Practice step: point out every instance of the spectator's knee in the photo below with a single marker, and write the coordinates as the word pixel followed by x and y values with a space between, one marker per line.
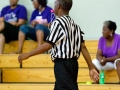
pixel 118 63
pixel 96 64
pixel 2 22
pixel 24 29
pixel 2 36
pixel 39 27
pixel 2 25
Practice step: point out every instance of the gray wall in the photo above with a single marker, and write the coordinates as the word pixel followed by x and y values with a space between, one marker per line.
pixel 89 14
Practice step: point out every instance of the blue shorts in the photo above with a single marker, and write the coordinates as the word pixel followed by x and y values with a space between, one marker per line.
pixel 30 32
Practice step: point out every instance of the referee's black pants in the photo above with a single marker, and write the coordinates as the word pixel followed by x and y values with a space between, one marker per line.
pixel 66 71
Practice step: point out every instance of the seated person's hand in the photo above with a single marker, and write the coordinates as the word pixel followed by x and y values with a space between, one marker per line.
pixel 33 23
pixel 49 25
pixel 103 62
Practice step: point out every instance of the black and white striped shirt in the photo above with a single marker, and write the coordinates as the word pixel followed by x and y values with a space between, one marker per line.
pixel 66 38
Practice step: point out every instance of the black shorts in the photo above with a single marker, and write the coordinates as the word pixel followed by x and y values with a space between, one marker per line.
pixel 66 72
pixel 10 32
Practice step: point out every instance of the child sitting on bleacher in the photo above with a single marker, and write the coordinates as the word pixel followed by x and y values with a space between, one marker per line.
pixel 38 28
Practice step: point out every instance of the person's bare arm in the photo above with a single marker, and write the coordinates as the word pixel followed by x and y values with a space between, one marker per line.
pixel 99 55
pixel 112 59
pixel 93 73
pixel 19 23
pixel 86 55
pixel 1 19
pixel 44 47
pixel 103 59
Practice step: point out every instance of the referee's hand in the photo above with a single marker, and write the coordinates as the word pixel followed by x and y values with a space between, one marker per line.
pixel 94 75
pixel 22 57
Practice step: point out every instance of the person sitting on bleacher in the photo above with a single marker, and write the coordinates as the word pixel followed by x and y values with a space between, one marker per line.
pixel 11 18
pixel 38 28
pixel 108 54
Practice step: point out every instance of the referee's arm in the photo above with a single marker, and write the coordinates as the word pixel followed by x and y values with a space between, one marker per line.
pixel 93 73
pixel 86 55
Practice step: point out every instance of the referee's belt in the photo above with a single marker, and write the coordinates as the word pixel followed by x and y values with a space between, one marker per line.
pixel 59 59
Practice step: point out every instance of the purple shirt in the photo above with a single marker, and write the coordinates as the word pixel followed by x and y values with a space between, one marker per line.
pixel 113 49
pixel 12 15
pixel 46 14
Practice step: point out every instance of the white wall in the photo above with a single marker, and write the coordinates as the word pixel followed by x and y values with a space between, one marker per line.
pixel 89 14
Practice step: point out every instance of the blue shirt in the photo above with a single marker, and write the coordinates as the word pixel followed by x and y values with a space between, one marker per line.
pixel 46 14
pixel 12 15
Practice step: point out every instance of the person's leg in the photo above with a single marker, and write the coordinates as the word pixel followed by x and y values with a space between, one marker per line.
pixel 2 43
pixel 108 66
pixel 66 72
pixel 2 37
pixel 21 38
pixel 2 25
pixel 9 33
pixel 40 37
pixel 97 66
pixel 24 30
pixel 41 33
pixel 117 67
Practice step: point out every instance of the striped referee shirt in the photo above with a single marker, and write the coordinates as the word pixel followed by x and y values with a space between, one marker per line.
pixel 66 37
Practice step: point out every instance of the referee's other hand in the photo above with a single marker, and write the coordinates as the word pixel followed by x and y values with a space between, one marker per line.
pixel 94 75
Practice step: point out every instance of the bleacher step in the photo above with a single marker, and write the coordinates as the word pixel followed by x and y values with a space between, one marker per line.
pixel 42 60
pixel 47 75
pixel 51 86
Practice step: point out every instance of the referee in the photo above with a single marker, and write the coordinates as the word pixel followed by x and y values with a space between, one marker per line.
pixel 67 42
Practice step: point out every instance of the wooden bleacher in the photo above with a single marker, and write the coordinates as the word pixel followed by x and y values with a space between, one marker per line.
pixel 51 86
pixel 38 70
pixel 30 45
pixel 13 46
